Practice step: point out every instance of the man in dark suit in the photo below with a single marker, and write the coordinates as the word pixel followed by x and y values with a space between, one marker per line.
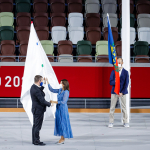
pixel 124 81
pixel 38 108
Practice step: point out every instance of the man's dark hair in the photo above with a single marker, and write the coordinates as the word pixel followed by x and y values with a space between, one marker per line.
pixel 37 78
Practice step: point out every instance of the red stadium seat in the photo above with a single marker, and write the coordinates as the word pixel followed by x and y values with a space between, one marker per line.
pixel 42 32
pixel 8 49
pixel 142 59
pixel 93 34
pixel 75 6
pixel 65 47
pixel 85 58
pixel 92 20
pixel 23 19
pixel 58 19
pixel 102 58
pixel 23 50
pixel 114 32
pixel 40 19
pixel 118 46
pixel 143 7
pixel 40 6
pixel 23 33
pixel 57 6
pixel 6 5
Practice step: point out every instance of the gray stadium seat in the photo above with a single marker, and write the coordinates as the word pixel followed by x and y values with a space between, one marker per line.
pixel 58 34
pixel 75 19
pixel 65 58
pixel 144 34
pixel 92 6
pixel 103 1
pixel 109 6
pixel 76 34
pixel 113 20
pixel 143 20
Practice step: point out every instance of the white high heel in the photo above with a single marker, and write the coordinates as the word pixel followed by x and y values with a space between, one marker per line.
pixel 60 143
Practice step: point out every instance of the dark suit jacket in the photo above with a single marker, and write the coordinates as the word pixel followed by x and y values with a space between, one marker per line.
pixel 124 81
pixel 38 102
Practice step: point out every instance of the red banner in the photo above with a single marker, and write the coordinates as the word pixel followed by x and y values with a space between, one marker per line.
pixel 85 82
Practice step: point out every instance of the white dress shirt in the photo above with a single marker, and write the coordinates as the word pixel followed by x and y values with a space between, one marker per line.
pixel 120 71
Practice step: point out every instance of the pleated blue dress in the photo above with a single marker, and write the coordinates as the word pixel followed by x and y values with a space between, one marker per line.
pixel 62 121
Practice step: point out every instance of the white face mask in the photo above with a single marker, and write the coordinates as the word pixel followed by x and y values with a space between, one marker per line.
pixel 119 65
pixel 60 86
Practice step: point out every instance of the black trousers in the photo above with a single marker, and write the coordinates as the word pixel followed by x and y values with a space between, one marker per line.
pixel 37 124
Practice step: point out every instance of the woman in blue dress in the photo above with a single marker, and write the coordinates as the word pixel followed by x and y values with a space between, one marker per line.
pixel 62 121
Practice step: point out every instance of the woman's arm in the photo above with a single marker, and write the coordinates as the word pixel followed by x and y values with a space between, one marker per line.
pixel 53 90
pixel 65 99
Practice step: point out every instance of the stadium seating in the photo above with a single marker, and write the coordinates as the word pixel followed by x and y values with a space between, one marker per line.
pixel 109 6
pixel 113 20
pixel 143 20
pixel 6 5
pixel 144 34
pixel 85 58
pixel 132 35
pixel 58 19
pixel 57 6
pixel 65 58
pixel 75 34
pixel 102 51
pixel 65 47
pixel 141 50
pixel 114 33
pixel 42 32
pixel 41 19
pixel 48 48
pixel 143 7
pixel 118 47
pixel 23 50
pixel 40 6
pixel 6 19
pixel 58 34
pixel 23 19
pixel 23 33
pixel 142 59
pixel 132 20
pixel 75 6
pixel 92 20
pixel 7 49
pixel 75 19
pixel 6 33
pixel 92 6
pixel 93 34
pixel 83 20
pixel 84 48
pixel 131 7
pixel 23 6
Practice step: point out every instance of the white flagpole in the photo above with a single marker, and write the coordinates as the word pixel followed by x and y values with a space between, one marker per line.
pixel 126 46
pixel 119 98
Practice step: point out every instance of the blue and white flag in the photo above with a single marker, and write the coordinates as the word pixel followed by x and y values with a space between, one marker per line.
pixel 37 63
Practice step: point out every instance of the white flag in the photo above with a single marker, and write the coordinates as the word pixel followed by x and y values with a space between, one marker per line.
pixel 37 63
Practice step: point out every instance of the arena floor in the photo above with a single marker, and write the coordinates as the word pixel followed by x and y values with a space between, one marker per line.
pixel 90 133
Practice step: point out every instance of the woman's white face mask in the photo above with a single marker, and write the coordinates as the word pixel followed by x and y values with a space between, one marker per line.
pixel 60 86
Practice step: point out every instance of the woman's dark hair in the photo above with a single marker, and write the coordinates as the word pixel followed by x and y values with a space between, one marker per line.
pixel 66 84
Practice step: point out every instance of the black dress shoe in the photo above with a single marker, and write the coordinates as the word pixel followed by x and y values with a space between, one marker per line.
pixel 40 144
